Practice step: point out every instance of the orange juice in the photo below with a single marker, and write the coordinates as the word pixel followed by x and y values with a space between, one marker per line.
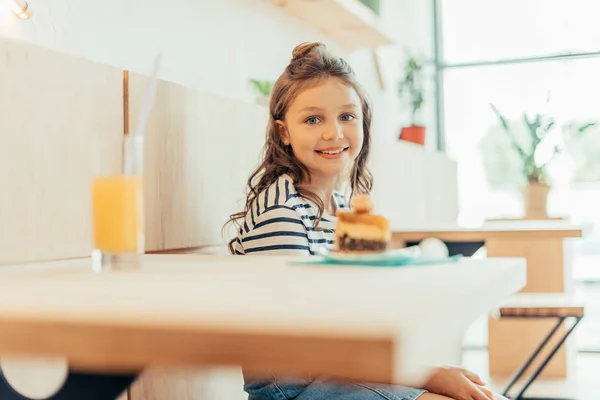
pixel 117 214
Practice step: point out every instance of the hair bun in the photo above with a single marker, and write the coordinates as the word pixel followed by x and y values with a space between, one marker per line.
pixel 304 49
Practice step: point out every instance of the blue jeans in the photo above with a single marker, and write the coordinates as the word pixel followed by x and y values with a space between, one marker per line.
pixel 288 388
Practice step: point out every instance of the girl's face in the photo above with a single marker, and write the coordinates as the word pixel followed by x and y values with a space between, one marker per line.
pixel 324 127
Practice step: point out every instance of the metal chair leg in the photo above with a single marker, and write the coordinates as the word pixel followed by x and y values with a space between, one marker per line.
pixel 544 363
pixel 531 358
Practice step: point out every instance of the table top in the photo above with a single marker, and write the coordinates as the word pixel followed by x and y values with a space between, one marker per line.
pixel 514 228
pixel 368 323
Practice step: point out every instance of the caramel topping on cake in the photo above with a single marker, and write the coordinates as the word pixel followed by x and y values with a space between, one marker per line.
pixel 366 219
pixel 362 203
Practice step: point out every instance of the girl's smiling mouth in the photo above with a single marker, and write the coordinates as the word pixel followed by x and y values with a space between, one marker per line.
pixel 332 152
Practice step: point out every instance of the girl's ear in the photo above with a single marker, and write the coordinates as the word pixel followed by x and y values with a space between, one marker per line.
pixel 283 132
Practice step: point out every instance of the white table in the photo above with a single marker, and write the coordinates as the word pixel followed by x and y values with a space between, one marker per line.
pixel 372 324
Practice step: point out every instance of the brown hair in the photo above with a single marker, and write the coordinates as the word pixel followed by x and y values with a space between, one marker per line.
pixel 311 62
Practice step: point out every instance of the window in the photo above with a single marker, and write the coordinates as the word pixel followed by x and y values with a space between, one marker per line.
pixel 515 54
pixel 474 136
pixel 509 54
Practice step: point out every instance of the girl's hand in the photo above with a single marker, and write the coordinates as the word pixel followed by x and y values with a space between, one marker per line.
pixel 459 384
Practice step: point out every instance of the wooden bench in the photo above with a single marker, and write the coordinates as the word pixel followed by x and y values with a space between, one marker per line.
pixel 528 306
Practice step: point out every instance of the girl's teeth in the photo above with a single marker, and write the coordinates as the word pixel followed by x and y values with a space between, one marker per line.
pixel 332 152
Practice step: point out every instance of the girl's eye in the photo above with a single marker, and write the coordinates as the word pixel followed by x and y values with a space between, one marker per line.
pixel 312 120
pixel 347 117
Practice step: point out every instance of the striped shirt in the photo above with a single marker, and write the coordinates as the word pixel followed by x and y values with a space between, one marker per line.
pixel 280 222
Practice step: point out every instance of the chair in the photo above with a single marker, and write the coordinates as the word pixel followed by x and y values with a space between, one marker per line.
pixel 555 306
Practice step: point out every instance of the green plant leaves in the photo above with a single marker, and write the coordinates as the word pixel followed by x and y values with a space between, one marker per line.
pixel 411 86
pixel 262 88
pixel 529 140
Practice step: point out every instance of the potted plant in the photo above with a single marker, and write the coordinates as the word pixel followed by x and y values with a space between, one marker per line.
pixel 530 151
pixel 262 89
pixel 410 88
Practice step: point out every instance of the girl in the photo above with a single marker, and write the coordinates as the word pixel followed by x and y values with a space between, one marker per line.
pixel 318 139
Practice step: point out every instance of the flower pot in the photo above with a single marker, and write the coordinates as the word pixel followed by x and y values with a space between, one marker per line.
pixel 535 197
pixel 415 134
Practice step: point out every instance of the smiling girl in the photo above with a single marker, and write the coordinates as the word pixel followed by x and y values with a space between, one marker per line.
pixel 318 140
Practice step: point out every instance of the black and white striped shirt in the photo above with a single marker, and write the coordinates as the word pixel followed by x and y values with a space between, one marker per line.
pixel 280 222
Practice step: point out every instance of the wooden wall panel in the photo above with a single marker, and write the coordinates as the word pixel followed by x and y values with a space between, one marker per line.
pixel 52 109
pixel 172 173
pixel 233 136
pixel 200 149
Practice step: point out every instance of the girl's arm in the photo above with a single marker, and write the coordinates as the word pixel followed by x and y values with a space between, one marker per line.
pixel 276 231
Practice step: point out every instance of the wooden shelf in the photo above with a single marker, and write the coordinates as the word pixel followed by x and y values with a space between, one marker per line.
pixel 349 22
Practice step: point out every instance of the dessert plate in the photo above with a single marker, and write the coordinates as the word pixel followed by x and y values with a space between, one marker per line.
pixel 395 257
pixel 396 254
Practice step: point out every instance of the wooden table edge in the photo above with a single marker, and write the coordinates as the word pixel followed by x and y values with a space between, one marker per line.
pixel 121 349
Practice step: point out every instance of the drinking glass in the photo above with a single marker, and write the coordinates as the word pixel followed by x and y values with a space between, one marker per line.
pixel 118 208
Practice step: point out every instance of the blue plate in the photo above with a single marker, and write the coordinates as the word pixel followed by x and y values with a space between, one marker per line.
pixel 390 258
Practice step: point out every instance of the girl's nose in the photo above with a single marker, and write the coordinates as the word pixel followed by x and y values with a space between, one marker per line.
pixel 333 132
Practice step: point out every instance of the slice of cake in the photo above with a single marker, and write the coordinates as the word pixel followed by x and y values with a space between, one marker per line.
pixel 358 230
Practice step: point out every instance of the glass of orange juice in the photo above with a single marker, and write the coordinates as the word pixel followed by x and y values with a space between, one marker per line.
pixel 118 209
